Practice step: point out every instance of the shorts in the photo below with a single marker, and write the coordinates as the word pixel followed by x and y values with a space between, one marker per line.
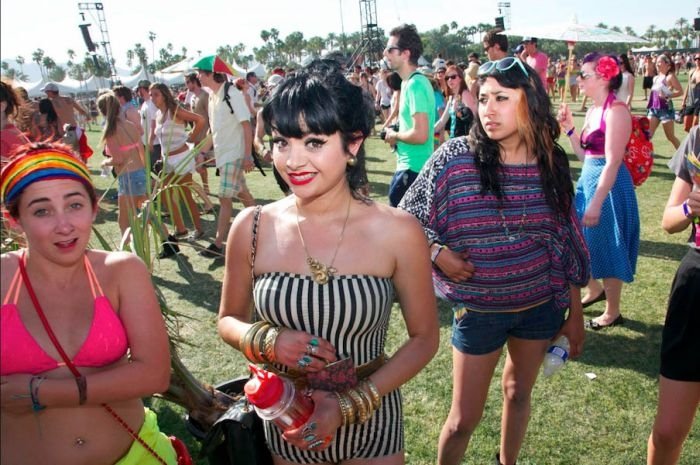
pixel 151 435
pixel 132 183
pixel 662 114
pixel 479 333
pixel 680 339
pixel 399 184
pixel 647 82
pixel 180 164
pixel 561 82
pixel 232 179
pixel 205 160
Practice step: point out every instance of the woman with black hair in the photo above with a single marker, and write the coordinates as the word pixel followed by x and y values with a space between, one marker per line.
pixel 317 302
pixel 497 209
pixel 626 91
pixel 605 197
pixel 45 123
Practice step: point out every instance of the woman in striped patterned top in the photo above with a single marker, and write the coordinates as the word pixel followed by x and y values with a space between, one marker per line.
pixel 325 265
pixel 507 250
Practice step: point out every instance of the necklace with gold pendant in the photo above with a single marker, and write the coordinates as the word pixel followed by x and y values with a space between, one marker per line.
pixel 320 272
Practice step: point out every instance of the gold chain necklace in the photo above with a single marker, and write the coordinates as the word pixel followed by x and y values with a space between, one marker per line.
pixel 321 273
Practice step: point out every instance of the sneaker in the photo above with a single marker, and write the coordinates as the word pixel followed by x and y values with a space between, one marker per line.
pixel 212 251
pixel 170 248
pixel 198 234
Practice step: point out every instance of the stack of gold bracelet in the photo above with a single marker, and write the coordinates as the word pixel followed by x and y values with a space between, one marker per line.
pixel 258 343
pixel 358 404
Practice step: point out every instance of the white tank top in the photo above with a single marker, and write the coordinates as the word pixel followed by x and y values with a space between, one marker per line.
pixel 170 134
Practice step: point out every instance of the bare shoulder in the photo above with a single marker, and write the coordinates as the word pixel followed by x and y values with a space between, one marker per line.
pixel 393 223
pixel 118 265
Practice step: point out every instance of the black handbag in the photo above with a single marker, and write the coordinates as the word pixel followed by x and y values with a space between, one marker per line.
pixel 237 437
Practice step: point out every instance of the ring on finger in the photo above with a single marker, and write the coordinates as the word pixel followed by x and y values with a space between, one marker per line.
pixel 311 349
pixel 316 444
pixel 311 438
pixel 304 361
pixel 309 428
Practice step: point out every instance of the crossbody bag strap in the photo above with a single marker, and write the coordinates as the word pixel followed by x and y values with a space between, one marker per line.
pixel 71 365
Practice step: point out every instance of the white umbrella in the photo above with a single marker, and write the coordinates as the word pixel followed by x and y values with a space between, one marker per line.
pixel 572 31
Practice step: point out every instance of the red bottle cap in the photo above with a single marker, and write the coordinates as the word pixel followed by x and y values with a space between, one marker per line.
pixel 264 388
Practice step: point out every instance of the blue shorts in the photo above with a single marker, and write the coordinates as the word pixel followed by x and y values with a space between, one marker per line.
pixel 132 183
pixel 479 333
pixel 662 114
pixel 399 184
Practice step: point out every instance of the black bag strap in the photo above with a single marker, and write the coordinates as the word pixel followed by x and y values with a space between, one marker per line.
pixel 227 97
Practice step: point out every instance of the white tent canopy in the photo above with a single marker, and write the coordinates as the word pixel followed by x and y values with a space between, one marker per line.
pixel 255 67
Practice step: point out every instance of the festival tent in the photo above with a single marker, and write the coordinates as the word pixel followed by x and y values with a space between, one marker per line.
pixel 182 66
pixel 171 79
pixel 256 67
pixel 133 81
pixel 645 49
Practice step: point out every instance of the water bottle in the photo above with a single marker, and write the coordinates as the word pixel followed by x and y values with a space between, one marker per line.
pixel 556 356
pixel 276 399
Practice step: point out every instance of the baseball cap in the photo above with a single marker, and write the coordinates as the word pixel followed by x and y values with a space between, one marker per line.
pixel 274 79
pixel 527 39
pixel 50 87
pixel 145 83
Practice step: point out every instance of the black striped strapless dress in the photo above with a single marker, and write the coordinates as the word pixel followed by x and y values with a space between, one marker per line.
pixel 352 312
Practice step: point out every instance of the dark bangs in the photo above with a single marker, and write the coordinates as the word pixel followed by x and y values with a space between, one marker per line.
pixel 302 106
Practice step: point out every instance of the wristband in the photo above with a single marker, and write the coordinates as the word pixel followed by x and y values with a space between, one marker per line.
pixel 686 210
pixel 435 252
pixel 570 131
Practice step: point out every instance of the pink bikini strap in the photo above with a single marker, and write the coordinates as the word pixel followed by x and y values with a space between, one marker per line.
pixel 13 290
pixel 92 279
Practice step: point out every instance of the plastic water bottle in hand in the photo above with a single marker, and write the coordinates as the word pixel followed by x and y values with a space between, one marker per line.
pixel 556 356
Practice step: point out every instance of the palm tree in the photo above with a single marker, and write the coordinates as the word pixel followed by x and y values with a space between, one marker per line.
pixel 650 33
pixel 152 38
pixel 20 61
pixel 37 57
pixel 265 35
pixel 629 31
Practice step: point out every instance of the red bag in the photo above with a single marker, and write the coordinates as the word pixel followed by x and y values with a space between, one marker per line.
pixel 183 455
pixel 639 157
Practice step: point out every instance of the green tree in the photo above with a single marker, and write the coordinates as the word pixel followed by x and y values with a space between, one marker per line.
pixel 20 61
pixel 315 46
pixel 37 57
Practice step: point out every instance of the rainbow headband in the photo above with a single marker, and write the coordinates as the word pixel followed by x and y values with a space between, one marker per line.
pixel 40 166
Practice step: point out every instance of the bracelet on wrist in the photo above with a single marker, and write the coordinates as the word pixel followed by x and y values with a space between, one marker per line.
pixel 686 210
pixel 436 251
pixel 570 132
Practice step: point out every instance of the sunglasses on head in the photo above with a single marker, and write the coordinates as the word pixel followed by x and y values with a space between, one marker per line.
pixel 451 76
pixel 501 66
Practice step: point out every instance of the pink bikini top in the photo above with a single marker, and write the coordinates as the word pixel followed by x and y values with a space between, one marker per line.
pixel 106 341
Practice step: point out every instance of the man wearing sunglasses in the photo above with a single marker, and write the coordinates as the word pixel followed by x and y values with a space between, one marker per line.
pixel 533 57
pixel 413 140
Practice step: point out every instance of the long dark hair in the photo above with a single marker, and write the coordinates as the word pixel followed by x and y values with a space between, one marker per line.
pixel 320 100
pixel 539 130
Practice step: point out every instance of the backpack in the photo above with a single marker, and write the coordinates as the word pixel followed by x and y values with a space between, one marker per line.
pixel 639 157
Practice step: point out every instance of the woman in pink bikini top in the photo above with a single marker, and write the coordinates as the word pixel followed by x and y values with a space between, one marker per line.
pixel 79 329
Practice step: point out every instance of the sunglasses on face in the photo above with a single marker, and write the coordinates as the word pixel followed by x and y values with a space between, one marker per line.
pixel 501 66
pixel 696 58
pixel 451 76
pixel 391 49
pixel 583 76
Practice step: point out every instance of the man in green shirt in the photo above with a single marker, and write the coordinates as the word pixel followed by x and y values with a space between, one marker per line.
pixel 413 140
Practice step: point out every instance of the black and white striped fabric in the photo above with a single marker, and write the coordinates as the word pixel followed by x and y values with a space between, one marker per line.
pixel 352 312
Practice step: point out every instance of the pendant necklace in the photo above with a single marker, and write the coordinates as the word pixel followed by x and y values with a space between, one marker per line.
pixel 523 216
pixel 321 273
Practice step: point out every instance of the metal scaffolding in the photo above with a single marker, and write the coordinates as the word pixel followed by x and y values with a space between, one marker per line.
pixel 370 50
pixel 106 45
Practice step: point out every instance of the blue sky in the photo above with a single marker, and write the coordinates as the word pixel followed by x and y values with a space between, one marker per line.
pixel 205 24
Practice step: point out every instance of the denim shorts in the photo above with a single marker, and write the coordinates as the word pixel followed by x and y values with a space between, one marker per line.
pixel 132 183
pixel 399 184
pixel 662 114
pixel 479 333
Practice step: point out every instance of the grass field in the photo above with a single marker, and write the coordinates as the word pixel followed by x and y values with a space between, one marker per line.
pixel 574 420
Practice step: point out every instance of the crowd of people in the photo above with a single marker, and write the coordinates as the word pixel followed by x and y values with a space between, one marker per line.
pixel 484 213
